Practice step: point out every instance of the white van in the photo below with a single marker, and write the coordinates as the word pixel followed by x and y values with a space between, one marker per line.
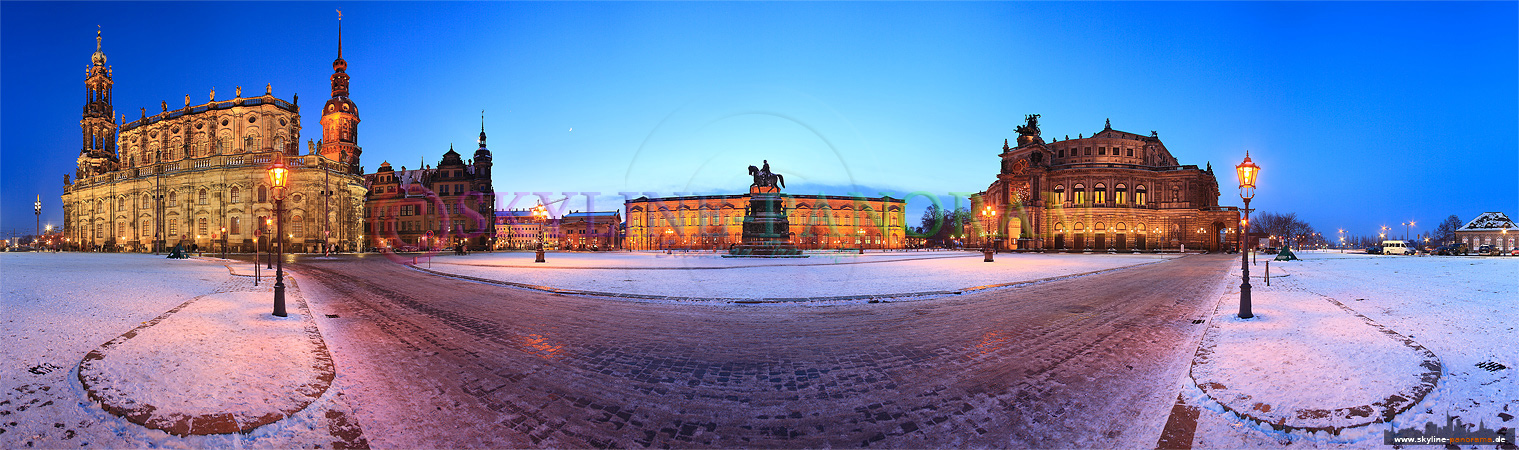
pixel 1396 248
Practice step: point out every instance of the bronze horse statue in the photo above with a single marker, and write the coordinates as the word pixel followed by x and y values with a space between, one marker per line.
pixel 763 177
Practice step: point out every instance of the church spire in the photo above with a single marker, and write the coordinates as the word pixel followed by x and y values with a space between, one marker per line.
pixel 482 129
pixel 339 66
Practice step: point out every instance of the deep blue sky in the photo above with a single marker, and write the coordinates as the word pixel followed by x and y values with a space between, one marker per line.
pixel 1361 114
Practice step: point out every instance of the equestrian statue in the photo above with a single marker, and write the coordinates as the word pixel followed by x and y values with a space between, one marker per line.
pixel 764 178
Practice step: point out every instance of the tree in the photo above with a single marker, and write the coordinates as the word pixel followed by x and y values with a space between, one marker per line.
pixel 1446 232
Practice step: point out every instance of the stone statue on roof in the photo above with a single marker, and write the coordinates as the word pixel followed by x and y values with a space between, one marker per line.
pixel 1031 128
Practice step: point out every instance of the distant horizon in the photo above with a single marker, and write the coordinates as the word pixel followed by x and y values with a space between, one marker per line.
pixel 1361 115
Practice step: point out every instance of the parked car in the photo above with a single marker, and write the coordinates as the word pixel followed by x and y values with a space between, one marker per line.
pixel 1458 248
pixel 1270 250
pixel 1487 250
pixel 1375 250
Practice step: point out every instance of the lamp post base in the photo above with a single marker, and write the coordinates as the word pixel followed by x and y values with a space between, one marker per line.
pixel 540 257
pixel 279 296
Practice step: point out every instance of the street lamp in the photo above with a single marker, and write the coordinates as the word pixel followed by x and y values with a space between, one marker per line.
pixel 37 207
pixel 278 175
pixel 989 216
pixel 1247 172
pixel 224 242
pixel 268 255
pixel 1406 226
pixel 541 215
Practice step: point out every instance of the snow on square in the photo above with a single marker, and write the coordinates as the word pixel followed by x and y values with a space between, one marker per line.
pixel 60 306
pixel 709 275
pixel 1458 307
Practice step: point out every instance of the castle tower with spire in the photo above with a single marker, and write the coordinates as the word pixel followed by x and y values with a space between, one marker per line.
pixel 340 117
pixel 98 124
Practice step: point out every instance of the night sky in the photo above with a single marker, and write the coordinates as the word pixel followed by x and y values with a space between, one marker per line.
pixel 1360 114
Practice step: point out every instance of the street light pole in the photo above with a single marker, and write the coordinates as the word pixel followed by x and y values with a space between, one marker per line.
pixel 37 207
pixel 1247 173
pixel 277 176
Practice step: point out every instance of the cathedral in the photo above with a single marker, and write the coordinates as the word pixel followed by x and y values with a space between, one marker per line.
pixel 198 175
pixel 1111 191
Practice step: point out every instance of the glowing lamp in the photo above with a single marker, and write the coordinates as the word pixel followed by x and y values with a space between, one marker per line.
pixel 1247 172
pixel 278 175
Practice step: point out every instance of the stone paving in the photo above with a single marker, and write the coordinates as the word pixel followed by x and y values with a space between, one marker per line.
pixel 1086 362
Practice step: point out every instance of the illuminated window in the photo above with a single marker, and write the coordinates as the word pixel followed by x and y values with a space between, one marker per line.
pixel 147 228
pixel 1100 193
pixel 173 227
pixel 1139 195
pixel 1119 192
pixel 1081 194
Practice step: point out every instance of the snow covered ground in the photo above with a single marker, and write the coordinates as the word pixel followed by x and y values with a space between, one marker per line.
pixel 60 306
pixel 708 275
pixel 1458 307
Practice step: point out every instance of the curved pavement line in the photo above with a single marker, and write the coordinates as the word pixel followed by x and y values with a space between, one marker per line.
pixel 513 266
pixel 222 423
pixel 869 297
pixel 1377 412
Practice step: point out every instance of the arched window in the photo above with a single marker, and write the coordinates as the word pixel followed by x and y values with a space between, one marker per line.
pixel 173 198
pixel 1079 228
pixel 263 194
pixel 298 226
pixel 235 226
pixel 1081 193
pixel 1060 193
pixel 147 202
pixel 235 195
pixel 1120 227
pixel 204 199
pixel 1139 196
pixel 1100 193
pixel 121 203
pixel 1099 227
pixel 1119 193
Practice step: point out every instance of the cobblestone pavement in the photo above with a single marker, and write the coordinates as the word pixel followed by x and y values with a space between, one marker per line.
pixel 1092 361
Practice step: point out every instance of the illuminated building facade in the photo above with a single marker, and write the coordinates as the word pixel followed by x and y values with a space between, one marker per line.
pixel 1113 190
pixel 713 222
pixel 198 175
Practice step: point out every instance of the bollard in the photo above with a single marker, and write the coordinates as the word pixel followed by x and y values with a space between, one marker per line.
pixel 540 257
pixel 1268 272
pixel 988 253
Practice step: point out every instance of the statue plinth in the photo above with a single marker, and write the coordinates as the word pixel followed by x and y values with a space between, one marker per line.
pixel 767 231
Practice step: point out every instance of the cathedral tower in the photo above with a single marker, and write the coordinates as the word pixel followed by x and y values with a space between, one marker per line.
pixel 98 125
pixel 340 117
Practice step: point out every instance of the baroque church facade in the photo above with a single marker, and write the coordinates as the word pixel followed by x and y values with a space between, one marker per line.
pixel 1113 190
pixel 198 175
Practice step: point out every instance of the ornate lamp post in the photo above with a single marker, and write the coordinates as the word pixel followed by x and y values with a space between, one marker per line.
pixel 541 215
pixel 1247 172
pixel 278 175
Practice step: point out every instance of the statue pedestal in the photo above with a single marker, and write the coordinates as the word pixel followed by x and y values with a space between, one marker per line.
pixel 767 231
